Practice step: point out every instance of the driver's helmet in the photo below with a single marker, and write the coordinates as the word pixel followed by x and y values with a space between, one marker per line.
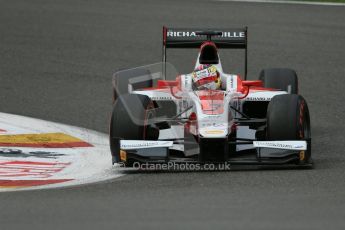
pixel 206 77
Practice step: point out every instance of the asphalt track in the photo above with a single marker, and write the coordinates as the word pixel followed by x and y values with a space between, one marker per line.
pixel 57 58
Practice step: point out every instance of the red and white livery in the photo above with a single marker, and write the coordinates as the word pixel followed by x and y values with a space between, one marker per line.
pixel 208 115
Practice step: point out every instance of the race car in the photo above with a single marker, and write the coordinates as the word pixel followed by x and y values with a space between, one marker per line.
pixel 207 115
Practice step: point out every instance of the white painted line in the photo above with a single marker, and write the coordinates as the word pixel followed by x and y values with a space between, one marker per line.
pixel 287 2
pixel 22 165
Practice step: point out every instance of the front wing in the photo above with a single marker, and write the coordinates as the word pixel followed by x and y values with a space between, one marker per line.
pixel 265 153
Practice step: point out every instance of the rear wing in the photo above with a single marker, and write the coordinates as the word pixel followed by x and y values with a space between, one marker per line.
pixel 188 38
pixel 235 38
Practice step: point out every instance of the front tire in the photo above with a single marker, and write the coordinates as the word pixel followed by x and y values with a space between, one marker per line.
pixel 129 120
pixel 288 119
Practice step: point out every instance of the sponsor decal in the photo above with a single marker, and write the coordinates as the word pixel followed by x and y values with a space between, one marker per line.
pixel 231 83
pixel 225 34
pixel 181 34
pixel 219 125
pixel 215 117
pixel 187 81
pixel 46 140
pixel 289 145
pixel 132 144
pixel 258 99
pixel 214 131
pixel 165 98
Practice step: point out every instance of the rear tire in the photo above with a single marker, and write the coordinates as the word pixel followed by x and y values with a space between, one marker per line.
pixel 288 119
pixel 129 118
pixel 280 78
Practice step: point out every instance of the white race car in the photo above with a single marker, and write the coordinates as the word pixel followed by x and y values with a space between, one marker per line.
pixel 209 116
